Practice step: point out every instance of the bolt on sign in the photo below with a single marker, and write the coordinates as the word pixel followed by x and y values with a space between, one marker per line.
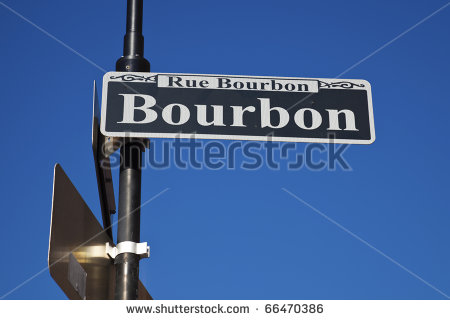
pixel 162 105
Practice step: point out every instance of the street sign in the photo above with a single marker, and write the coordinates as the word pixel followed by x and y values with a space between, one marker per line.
pixel 77 256
pixel 165 105
pixel 102 148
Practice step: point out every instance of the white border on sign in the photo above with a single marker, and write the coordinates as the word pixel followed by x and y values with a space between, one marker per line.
pixel 367 87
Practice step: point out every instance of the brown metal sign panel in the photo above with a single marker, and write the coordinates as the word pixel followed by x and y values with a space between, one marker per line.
pixel 77 256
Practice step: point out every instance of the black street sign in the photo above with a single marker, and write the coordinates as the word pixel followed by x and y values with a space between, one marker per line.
pixel 163 105
pixel 102 166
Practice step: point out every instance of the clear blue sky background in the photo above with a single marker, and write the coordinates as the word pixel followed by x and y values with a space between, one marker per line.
pixel 235 234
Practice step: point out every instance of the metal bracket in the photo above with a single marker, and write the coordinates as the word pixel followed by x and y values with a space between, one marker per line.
pixel 141 249
pixel 112 144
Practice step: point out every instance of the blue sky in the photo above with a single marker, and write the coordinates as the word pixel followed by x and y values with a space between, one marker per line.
pixel 237 234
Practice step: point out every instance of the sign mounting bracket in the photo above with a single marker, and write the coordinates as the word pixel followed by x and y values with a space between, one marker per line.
pixel 141 249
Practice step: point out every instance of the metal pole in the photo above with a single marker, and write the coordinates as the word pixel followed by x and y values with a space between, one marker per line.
pixel 127 264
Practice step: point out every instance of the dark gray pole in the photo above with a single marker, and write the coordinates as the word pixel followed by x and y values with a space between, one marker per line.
pixel 127 264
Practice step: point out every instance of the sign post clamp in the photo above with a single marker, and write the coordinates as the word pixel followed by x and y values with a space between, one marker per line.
pixel 141 249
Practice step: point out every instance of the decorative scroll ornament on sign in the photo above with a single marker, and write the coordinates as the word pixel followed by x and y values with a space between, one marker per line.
pixel 133 77
pixel 340 84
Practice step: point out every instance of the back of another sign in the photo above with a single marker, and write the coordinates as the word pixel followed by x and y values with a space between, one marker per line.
pixel 77 257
